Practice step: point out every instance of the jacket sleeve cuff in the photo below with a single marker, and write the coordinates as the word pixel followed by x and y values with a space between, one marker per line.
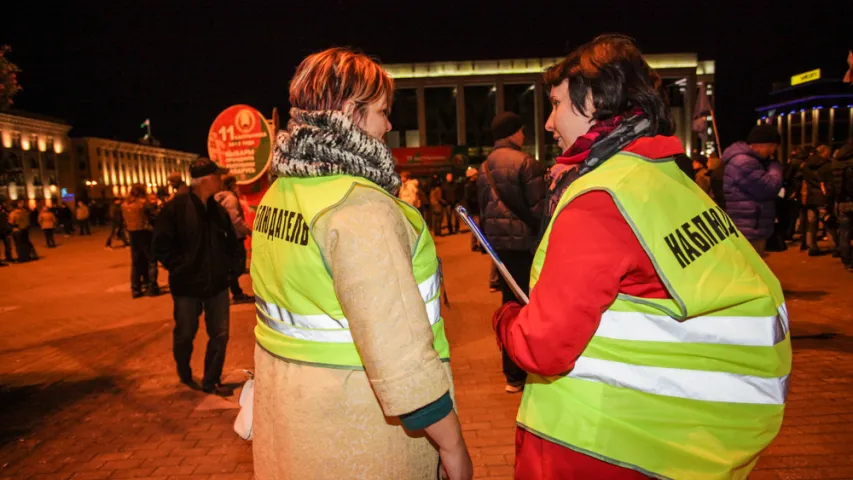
pixel 429 414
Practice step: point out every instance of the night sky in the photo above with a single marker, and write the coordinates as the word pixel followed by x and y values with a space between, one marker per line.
pixel 106 66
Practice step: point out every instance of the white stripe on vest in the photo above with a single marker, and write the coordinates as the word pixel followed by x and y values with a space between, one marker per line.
pixel 745 331
pixel 681 383
pixel 324 328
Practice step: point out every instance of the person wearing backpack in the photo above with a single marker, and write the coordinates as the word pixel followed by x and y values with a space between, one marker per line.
pixel 842 190
pixel 511 192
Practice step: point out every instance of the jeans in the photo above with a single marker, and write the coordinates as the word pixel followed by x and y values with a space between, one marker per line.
pixel 518 263
pixel 216 320
pixel 84 227
pixel 143 266
pixel 238 268
pixel 845 225
pixel 48 237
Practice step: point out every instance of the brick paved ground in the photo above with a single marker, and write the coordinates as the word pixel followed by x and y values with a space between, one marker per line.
pixel 87 388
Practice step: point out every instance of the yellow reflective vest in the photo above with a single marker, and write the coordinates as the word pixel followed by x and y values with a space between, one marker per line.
pixel 299 317
pixel 693 387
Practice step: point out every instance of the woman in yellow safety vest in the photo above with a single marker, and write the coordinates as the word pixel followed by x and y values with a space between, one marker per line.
pixel 656 338
pixel 351 369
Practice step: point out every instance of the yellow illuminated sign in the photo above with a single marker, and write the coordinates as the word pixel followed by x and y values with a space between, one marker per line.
pixel 809 76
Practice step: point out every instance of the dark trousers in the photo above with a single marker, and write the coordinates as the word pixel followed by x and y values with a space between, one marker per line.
pixel 436 221
pixel 845 225
pixel 84 227
pixel 143 266
pixel 7 247
pixel 216 321
pixel 452 218
pixel 119 233
pixel 518 263
pixel 808 226
pixel 22 245
pixel 68 226
pixel 238 268
pixel 48 237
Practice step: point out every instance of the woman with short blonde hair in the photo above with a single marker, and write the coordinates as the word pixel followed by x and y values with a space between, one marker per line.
pixel 351 372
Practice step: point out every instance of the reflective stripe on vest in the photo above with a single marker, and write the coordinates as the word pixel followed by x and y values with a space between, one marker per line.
pixel 735 330
pixel 323 328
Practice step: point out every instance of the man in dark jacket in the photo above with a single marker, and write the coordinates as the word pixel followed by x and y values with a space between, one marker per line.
pixel 118 230
pixel 511 195
pixel 842 191
pixel 751 184
pixel 815 173
pixel 194 239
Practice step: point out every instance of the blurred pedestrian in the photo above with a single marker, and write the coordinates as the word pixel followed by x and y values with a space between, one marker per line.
pixel 195 240
pixel 752 183
pixel 118 227
pixel 229 198
pixel 47 222
pixel 409 190
pixel 5 234
pixel 814 199
pixel 511 192
pixel 177 185
pixel 82 214
pixel 451 192
pixel 20 221
pixel 138 215
pixel 65 217
pixel 842 188
pixel 436 205
pixel 702 175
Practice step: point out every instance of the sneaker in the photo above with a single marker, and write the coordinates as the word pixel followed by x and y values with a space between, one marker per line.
pixel 493 290
pixel 136 295
pixel 154 292
pixel 513 388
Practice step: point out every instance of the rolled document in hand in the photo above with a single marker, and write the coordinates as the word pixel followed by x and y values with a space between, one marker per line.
pixel 519 293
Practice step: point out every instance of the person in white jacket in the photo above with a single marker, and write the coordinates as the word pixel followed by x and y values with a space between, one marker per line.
pixel 229 198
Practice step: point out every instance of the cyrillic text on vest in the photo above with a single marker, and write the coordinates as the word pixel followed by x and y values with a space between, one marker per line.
pixel 282 224
pixel 700 234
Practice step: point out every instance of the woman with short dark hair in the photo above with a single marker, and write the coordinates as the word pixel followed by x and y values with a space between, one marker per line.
pixel 655 337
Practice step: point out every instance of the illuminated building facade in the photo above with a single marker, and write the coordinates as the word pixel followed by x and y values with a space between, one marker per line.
pixel 453 103
pixel 108 168
pixel 34 156
pixel 810 109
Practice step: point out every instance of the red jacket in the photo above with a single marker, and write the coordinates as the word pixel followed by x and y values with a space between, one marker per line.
pixel 592 256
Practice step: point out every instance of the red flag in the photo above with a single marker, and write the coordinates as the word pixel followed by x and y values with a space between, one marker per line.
pixel 848 77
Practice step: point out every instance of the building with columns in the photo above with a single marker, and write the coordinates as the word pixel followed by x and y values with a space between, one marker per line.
pixel 453 103
pixel 108 168
pixel 809 109
pixel 34 155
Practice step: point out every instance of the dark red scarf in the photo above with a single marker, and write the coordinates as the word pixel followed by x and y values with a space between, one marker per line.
pixel 579 150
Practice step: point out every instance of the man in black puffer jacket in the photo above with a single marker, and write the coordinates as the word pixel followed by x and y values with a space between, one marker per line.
pixel 842 191
pixel 511 194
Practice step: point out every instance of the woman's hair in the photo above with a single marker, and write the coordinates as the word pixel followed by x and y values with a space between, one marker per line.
pixel 612 68
pixel 328 79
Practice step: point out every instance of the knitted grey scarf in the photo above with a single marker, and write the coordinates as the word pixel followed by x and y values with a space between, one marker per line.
pixel 324 143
